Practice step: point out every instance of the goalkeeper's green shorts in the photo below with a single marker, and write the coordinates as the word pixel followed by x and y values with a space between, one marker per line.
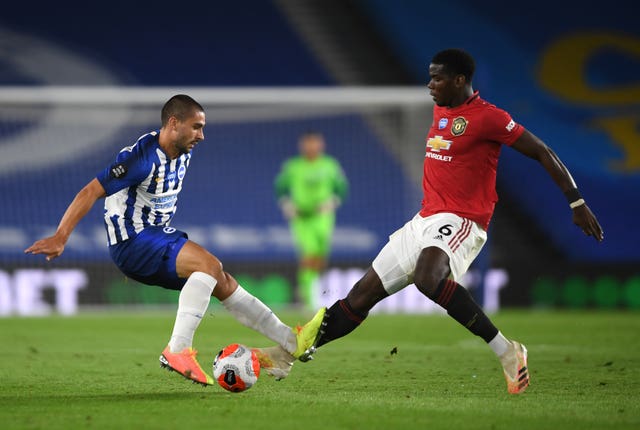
pixel 312 235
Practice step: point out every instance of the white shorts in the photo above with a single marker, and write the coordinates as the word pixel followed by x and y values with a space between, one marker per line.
pixel 461 238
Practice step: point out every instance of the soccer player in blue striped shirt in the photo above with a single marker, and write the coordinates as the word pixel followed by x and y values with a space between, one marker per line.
pixel 141 189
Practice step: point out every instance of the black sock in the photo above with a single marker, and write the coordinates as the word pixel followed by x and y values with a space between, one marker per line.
pixel 462 308
pixel 341 320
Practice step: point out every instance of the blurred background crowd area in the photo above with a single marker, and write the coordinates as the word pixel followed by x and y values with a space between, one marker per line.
pixel 571 77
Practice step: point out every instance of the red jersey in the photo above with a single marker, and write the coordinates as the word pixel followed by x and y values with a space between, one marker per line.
pixel 461 159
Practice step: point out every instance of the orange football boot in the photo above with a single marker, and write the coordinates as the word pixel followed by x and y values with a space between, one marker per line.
pixel 185 363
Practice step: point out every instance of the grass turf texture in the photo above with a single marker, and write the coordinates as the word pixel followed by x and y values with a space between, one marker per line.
pixel 101 371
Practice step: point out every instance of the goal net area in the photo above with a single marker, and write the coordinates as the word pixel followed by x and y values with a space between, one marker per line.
pixel 54 140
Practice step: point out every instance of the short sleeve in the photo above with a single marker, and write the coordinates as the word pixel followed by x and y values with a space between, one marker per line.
pixel 128 170
pixel 500 127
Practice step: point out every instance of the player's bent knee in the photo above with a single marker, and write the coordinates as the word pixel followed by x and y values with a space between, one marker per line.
pixel 431 269
pixel 427 283
pixel 194 258
pixel 212 266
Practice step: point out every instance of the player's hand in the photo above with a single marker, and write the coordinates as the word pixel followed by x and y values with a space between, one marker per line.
pixel 51 247
pixel 289 210
pixel 330 205
pixel 586 220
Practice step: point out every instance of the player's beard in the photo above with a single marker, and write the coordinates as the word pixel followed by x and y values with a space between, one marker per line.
pixel 185 147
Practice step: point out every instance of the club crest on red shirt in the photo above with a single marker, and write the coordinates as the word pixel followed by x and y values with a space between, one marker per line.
pixel 458 126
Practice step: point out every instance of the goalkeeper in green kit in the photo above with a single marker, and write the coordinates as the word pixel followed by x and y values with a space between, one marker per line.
pixel 310 187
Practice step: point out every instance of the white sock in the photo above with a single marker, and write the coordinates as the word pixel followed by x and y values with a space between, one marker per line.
pixel 499 344
pixel 192 304
pixel 254 314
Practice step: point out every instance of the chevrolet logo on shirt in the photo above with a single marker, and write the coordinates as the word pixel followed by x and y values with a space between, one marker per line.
pixel 437 143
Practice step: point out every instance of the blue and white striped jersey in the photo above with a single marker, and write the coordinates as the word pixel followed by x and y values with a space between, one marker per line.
pixel 142 188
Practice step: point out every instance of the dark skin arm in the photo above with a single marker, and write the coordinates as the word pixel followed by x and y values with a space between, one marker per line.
pixel 531 146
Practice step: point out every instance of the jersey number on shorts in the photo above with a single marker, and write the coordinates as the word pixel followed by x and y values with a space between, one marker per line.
pixel 445 230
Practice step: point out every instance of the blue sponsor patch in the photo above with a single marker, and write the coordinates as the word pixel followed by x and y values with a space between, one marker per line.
pixel 442 123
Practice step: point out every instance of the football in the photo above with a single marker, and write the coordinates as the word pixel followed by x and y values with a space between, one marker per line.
pixel 236 368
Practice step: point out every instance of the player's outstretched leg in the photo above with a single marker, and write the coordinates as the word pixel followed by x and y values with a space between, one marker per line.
pixel 347 314
pixel 460 306
pixel 514 363
pixel 277 361
pixel 307 336
pixel 342 317
pixel 186 364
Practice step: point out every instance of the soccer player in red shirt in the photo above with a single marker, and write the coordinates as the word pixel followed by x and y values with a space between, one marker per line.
pixel 435 248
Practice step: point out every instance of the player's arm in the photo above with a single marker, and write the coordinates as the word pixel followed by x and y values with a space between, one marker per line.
pixel 531 146
pixel 341 184
pixel 339 187
pixel 282 182
pixel 53 246
pixel 282 185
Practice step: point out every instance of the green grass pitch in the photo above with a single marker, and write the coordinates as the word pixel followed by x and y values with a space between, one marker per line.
pixel 100 370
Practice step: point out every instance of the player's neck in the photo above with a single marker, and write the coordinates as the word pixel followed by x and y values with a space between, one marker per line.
pixel 166 146
pixel 462 98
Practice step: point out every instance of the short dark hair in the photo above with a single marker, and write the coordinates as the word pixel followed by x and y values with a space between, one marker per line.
pixel 180 106
pixel 310 133
pixel 456 62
